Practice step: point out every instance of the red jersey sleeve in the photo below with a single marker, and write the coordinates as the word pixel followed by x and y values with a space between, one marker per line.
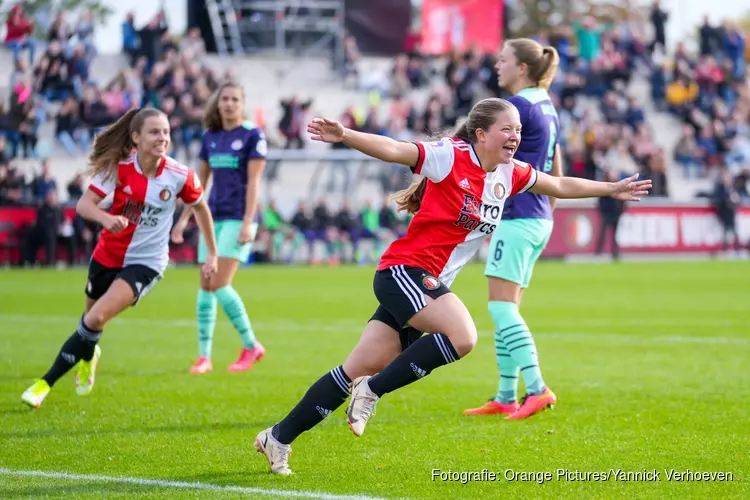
pixel 192 191
pixel 524 177
pixel 435 159
pixel 101 186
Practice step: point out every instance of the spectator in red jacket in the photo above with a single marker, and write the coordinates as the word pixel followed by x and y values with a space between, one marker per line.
pixel 18 33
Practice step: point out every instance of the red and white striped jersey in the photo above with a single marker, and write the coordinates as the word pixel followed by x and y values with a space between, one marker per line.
pixel 462 204
pixel 149 205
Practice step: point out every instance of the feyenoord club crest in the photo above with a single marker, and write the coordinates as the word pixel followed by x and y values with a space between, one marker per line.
pixel 430 282
pixel 165 195
pixel 499 190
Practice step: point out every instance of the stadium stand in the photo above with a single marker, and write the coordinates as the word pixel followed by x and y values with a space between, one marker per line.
pixel 626 105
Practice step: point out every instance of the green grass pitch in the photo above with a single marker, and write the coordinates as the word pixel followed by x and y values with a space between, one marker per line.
pixel 650 362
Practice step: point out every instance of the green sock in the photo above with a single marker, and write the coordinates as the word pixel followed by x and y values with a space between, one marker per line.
pixel 206 316
pixel 234 309
pixel 507 389
pixel 518 341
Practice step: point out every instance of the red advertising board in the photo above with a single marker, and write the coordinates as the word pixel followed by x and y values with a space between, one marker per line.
pixel 459 24
pixel 643 229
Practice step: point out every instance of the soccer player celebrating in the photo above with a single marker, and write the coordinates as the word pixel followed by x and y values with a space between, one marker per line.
pixel 526 69
pixel 133 249
pixel 233 153
pixel 459 202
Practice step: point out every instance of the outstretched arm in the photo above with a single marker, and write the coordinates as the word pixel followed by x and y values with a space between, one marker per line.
pixel 377 146
pixel 572 187
pixel 557 171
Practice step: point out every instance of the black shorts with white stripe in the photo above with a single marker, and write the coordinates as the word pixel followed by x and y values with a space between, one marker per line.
pixel 140 278
pixel 402 292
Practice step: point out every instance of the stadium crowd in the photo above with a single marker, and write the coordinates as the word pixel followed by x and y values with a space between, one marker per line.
pixel 604 128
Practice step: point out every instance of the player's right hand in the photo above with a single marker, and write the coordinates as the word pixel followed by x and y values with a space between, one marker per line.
pixel 115 223
pixel 178 234
pixel 325 130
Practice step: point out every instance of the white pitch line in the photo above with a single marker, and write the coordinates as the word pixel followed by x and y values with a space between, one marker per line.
pixel 163 483
pixel 344 326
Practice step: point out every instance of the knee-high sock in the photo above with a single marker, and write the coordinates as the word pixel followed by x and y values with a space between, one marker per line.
pixel 234 308
pixel 320 400
pixel 507 388
pixel 206 318
pixel 518 341
pixel 418 360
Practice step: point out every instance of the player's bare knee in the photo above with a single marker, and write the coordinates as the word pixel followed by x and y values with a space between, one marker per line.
pixel 94 320
pixel 463 341
pixel 355 369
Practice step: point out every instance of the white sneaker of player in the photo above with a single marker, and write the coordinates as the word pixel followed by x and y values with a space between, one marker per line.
pixel 276 453
pixel 362 405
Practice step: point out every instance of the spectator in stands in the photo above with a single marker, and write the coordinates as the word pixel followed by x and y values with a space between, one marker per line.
pixel 150 39
pixel 369 230
pixel 610 211
pixel 194 44
pixel 43 183
pixel 25 115
pixel 589 39
pixel 304 224
pixel 352 59
pixel 66 128
pixel 325 230
pixel 44 232
pixel 680 96
pixel 348 231
pixel 75 189
pixel 292 122
pixel 687 153
pixel 399 79
pixel 59 31
pixel 725 200
pixel 130 40
pixel 709 38
pixel 742 184
pixel 85 33
pixel 4 200
pixel 14 188
pixel 78 70
pixel 92 112
pixel 4 158
pixel 634 114
pixel 734 48
pixel 658 22
pixel 280 232
pixel 659 86
pixel 619 160
pixel 656 170
pixel 18 33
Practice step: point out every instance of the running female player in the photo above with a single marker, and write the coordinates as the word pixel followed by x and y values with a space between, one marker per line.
pixel 133 249
pixel 526 69
pixel 233 153
pixel 457 204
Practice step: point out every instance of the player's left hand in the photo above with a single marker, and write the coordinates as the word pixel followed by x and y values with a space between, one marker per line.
pixel 211 266
pixel 630 189
pixel 246 234
pixel 325 130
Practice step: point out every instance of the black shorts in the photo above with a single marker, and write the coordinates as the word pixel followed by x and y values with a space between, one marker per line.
pixel 140 278
pixel 401 291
